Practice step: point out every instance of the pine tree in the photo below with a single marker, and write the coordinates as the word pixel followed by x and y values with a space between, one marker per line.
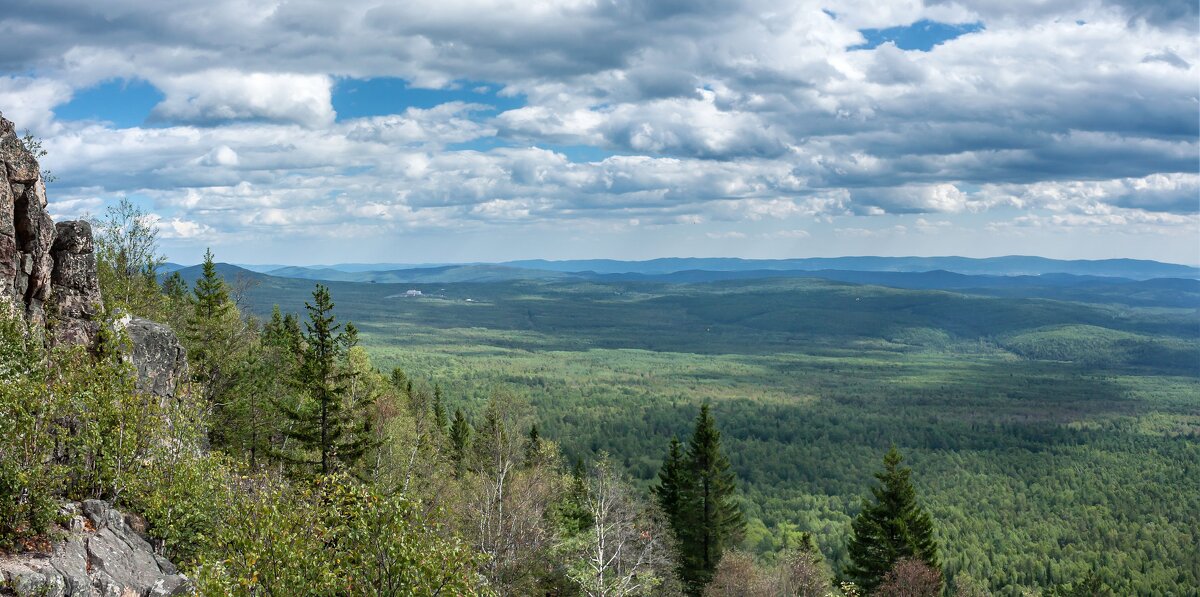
pixel 460 440
pixel 274 333
pixel 533 446
pixel 893 528
pixel 176 289
pixel 205 332
pixel 212 298
pixel 210 337
pixel 327 423
pixel 573 514
pixel 673 483
pixel 439 411
pixel 713 520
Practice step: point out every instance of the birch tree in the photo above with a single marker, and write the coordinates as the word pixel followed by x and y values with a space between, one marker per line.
pixel 627 551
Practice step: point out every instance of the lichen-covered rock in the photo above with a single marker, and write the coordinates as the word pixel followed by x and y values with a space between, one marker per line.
pixel 101 556
pixel 75 284
pixel 159 358
pixel 26 230
pixel 39 259
pixel 21 165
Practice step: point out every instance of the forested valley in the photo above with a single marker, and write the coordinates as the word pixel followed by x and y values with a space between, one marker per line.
pixel 375 448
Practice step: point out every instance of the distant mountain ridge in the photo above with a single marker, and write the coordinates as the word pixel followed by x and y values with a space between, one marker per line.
pixel 430 275
pixel 1157 292
pixel 1012 265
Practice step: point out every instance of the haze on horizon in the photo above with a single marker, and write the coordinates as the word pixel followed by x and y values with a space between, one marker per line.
pixel 302 132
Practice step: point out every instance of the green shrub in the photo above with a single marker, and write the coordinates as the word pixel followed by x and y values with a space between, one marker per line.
pixel 74 427
pixel 334 536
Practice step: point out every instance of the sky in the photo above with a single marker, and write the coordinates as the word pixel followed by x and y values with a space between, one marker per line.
pixel 309 131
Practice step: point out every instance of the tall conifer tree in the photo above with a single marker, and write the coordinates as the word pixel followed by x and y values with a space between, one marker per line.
pixel 673 484
pixel 460 440
pixel 439 411
pixel 209 336
pixel 892 528
pixel 696 490
pixel 716 521
pixel 212 298
pixel 533 446
pixel 326 422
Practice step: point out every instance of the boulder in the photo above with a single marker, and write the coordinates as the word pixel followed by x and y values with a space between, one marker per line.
pixel 75 284
pixel 101 555
pixel 159 358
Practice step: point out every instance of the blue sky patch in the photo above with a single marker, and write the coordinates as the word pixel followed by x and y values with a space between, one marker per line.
pixel 579 153
pixel 124 102
pixel 922 35
pixel 480 144
pixel 358 98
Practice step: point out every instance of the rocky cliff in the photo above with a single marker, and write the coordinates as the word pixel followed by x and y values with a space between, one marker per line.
pixel 102 555
pixel 48 272
pixel 26 231
pixel 74 285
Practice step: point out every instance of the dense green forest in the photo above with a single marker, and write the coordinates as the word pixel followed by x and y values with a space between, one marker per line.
pixel 556 438
pixel 1050 438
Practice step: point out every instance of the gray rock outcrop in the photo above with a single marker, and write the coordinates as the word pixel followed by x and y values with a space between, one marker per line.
pixel 48 272
pixel 26 231
pixel 75 286
pixel 102 556
pixel 41 263
pixel 159 358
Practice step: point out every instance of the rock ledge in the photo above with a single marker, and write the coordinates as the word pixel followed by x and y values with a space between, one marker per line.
pixel 102 556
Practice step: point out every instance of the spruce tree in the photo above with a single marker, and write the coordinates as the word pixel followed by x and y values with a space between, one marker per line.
pixel 210 338
pixel 274 334
pixel 212 298
pixel 673 483
pixel 326 422
pixel 892 528
pixel 176 289
pixel 460 440
pixel 574 517
pixel 439 412
pixel 713 520
pixel 205 332
pixel 533 446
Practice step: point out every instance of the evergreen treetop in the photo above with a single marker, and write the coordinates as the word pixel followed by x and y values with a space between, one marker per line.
pixel 673 483
pixel 697 491
pixel 460 439
pixel 211 296
pixel 718 522
pixel 326 422
pixel 440 419
pixel 892 528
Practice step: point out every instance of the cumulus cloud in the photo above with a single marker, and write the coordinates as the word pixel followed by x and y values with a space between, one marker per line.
pixel 445 124
pixel 1175 193
pixel 28 101
pixel 705 113
pixel 226 95
pixel 944 198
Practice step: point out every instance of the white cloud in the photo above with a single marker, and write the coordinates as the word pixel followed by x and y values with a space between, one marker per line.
pixel 720 112
pixel 787 234
pixel 27 101
pixel 940 198
pixel 222 155
pixel 220 95
pixel 444 124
